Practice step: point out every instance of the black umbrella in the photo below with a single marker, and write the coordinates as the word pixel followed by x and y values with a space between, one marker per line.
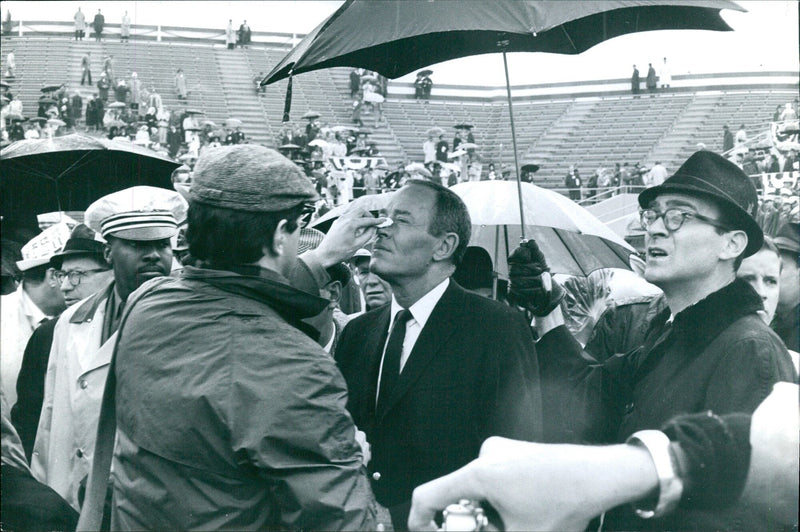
pixel 51 88
pixel 395 37
pixel 423 73
pixel 4 85
pixel 68 173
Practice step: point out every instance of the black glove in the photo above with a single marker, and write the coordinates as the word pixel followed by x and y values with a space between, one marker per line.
pixel 527 270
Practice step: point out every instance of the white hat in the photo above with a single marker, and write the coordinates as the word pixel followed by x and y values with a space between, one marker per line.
pixel 40 248
pixel 138 213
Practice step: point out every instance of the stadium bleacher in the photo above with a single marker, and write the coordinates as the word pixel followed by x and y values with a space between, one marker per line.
pixel 586 131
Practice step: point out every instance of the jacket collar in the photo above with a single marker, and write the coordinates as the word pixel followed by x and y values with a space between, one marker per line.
pixel 88 307
pixel 267 286
pixel 706 319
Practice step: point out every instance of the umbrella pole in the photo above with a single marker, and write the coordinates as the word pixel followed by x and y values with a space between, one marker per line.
pixel 514 142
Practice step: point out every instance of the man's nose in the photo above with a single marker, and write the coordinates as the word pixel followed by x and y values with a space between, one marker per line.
pixel 65 285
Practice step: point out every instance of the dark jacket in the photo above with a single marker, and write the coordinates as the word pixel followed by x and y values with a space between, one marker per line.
pixel 228 416
pixel 787 325
pixel 472 374
pixel 717 355
pixel 30 385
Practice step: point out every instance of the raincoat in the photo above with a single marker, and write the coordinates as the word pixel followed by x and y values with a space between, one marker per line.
pixel 228 415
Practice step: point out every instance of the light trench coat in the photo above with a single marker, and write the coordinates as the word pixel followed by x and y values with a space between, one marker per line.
pixel 73 392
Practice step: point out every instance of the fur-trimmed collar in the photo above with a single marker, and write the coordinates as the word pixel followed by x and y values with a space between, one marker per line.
pixel 706 319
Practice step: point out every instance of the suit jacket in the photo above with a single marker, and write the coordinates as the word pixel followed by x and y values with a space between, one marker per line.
pixel 472 374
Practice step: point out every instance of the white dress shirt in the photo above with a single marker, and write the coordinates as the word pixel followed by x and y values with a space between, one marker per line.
pixel 420 312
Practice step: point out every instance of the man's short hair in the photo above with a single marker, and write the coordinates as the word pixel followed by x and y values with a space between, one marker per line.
pixel 450 216
pixel 225 237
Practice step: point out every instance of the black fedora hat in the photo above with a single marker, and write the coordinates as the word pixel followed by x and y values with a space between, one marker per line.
pixel 788 237
pixel 81 242
pixel 708 175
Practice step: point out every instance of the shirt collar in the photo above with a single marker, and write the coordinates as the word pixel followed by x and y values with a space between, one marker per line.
pixel 421 310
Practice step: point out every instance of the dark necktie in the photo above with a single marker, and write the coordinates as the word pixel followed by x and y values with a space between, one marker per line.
pixel 391 359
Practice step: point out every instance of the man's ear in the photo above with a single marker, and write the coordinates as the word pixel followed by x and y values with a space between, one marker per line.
pixel 279 239
pixel 107 255
pixel 735 243
pixel 335 289
pixel 446 247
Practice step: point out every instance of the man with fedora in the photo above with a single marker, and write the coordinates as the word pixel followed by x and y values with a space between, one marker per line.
pixel 787 316
pixel 708 351
pixel 137 224
pixel 227 413
pixel 81 270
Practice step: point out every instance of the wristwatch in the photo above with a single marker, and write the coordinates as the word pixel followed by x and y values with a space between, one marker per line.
pixel 669 483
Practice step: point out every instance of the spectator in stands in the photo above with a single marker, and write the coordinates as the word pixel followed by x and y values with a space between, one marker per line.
pixel 103 86
pixel 108 67
pixel 121 91
pixel 8 25
pixel 244 35
pixel 777 115
pixel 135 93
pixel 80 26
pixel 86 68
pixel 427 85
pixel 635 82
pixel 355 81
pixel 750 168
pixel 257 83
pixel 17 132
pixel 429 150
pixel 238 136
pixel 666 76
pixel 99 22
pixel 591 185
pixel 442 148
pixel 657 175
pixel 180 85
pixel 11 64
pixel 173 141
pixel 788 113
pixel 773 166
pixel 650 82
pixel 573 183
pixel 15 106
pixel 727 139
pixel 741 135
pixel 125 28
pixel 790 164
pixel 230 36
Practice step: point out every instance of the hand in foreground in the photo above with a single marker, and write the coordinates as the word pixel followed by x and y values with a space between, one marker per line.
pixel 539 486
pixel 532 286
pixel 350 232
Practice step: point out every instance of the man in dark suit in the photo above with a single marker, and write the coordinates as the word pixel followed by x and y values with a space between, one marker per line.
pixel 438 370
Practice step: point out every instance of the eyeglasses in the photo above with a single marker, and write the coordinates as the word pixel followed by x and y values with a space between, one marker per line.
pixel 305 217
pixel 75 276
pixel 674 218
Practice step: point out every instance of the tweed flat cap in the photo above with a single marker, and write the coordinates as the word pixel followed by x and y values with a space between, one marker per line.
pixel 788 237
pixel 249 177
pixel 139 213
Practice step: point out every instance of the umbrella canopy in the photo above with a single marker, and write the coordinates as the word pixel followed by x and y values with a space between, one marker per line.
pixel 342 129
pixel 194 112
pixel 418 168
pixel 572 239
pixel 68 173
pixel 395 37
pixel 116 105
pixel 56 122
pixel 463 126
pixel 370 202
pixel 39 119
pixel 233 122
pixel 15 116
pixel 311 115
pixel 51 88
pixel 423 73
pixel 435 131
pixel 289 147
pixel 318 142
pixel 468 145
pixel 209 123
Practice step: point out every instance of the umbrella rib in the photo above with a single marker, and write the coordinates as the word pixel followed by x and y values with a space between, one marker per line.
pixel 571 42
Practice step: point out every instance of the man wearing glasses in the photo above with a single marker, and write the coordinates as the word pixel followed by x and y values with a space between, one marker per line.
pixel 137 224
pixel 80 269
pixel 708 351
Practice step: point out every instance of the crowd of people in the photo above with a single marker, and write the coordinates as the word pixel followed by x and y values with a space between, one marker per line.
pixel 260 373
pixel 652 80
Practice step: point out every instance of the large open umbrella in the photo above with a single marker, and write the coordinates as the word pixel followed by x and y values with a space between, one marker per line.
pixel 68 173
pixel 395 37
pixel 574 241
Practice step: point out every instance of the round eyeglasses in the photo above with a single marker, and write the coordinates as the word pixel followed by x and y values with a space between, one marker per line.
pixel 674 218
pixel 75 276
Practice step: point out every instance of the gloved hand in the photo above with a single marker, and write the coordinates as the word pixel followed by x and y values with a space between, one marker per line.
pixel 531 285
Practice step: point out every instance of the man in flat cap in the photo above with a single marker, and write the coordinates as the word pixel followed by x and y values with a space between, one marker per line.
pixel 229 415
pixel 82 270
pixel 787 316
pixel 137 224
pixel 709 351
